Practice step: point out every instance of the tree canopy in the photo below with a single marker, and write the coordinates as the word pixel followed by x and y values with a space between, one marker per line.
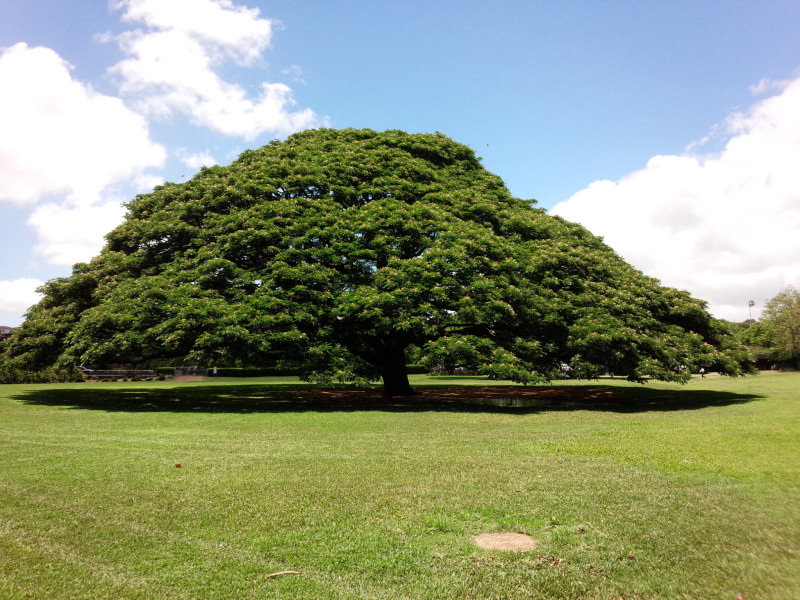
pixel 780 322
pixel 340 249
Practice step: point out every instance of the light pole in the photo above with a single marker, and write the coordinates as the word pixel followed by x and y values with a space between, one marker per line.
pixel 750 306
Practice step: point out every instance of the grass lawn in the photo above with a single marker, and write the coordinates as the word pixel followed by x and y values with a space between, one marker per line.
pixel 667 492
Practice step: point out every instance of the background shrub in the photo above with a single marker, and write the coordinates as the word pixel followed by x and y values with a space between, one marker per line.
pixel 14 375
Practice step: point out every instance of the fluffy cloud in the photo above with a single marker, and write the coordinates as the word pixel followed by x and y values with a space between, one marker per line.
pixel 68 145
pixel 71 234
pixel 17 295
pixel 235 31
pixel 722 225
pixel 62 138
pixel 173 65
pixel 195 160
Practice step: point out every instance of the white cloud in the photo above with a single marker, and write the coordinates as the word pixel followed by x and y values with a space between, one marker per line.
pixel 725 226
pixel 59 136
pixel 73 234
pixel 230 31
pixel 769 85
pixel 294 73
pixel 17 295
pixel 172 66
pixel 195 160
pixel 65 143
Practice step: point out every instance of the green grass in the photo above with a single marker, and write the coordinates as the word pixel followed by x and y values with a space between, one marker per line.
pixel 667 492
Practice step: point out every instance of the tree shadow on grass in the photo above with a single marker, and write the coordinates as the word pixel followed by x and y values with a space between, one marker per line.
pixel 259 398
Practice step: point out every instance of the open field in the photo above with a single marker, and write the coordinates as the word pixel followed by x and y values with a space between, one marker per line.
pixel 656 491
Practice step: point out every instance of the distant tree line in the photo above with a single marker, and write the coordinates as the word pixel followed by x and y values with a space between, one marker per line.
pixel 774 340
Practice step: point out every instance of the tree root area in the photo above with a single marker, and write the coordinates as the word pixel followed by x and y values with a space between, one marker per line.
pixel 483 396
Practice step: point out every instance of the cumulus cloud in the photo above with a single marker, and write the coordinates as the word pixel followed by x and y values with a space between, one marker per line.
pixel 234 31
pixel 69 146
pixel 174 65
pixel 723 225
pixel 18 295
pixel 62 138
pixel 72 234
pixel 195 160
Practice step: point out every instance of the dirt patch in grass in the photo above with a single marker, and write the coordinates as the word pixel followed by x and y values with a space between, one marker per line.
pixel 478 396
pixel 510 542
pixel 556 395
pixel 498 392
pixel 185 378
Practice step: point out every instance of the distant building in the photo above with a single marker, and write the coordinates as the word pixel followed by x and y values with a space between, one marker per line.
pixel 5 332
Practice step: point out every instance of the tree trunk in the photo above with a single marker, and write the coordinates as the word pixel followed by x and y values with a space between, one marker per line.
pixel 392 365
pixel 395 382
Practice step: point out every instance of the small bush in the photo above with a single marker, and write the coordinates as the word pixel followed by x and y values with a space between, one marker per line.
pixel 14 375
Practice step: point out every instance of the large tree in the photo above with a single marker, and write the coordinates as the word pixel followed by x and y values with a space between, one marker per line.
pixel 340 249
pixel 780 320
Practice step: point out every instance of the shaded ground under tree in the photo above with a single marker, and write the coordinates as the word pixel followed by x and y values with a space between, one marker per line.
pixel 254 398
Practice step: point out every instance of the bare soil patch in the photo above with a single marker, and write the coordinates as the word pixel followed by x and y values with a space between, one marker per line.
pixel 515 396
pixel 184 378
pixel 554 393
pixel 509 542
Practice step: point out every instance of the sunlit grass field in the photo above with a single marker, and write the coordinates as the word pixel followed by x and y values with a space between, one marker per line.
pixel 668 492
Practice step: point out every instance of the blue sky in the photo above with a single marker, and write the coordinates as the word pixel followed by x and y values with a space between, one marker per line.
pixel 670 128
